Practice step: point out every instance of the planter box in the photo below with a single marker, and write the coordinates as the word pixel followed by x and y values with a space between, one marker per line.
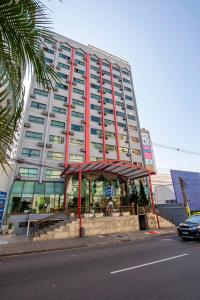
pixel 89 215
pixel 99 215
pixel 116 214
pixel 126 214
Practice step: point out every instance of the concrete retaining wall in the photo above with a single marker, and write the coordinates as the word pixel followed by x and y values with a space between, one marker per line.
pixel 152 222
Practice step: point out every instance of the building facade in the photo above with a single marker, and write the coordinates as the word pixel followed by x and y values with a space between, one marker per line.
pixel 148 150
pixel 90 115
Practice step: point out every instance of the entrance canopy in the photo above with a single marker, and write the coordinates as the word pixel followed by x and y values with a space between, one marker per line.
pixel 116 167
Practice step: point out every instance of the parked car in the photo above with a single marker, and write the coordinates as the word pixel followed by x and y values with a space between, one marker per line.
pixel 190 228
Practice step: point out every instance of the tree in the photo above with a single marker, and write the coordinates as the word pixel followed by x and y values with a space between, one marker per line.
pixel 143 199
pixel 133 193
pixel 23 24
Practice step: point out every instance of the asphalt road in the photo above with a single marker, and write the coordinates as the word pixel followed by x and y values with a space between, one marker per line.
pixel 160 268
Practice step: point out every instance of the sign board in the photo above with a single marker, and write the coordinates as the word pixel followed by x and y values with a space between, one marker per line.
pixel 2 205
pixel 109 191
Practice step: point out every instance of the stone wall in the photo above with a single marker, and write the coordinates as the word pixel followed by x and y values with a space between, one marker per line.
pixel 152 222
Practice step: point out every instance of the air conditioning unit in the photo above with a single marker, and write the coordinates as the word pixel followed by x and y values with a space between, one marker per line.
pixel 100 123
pixel 100 136
pixel 123 108
pixel 52 114
pixel 99 112
pixel 107 151
pixel 45 113
pixel 48 145
pixel 27 125
pixel 32 96
pixel 99 101
pixel 106 137
pixel 40 144
pixel 100 150
pixel 105 114
pixel 106 125
pixel 128 154
pixel 126 141
pixel 125 129
pixel 20 160
pixel 104 92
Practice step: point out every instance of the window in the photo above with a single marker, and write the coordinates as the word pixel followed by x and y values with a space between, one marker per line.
pixel 79 71
pixel 106 72
pixel 116 69
pixel 132 127
pixel 123 149
pixel 130 117
pixel 130 107
pixel 38 105
pixel 118 94
pixel 61 65
pixel 65 48
pixel 61 55
pixel 77 80
pixel 59 110
pixel 96 131
pixel 79 62
pixel 81 54
pixel 76 142
pixel 36 120
pixel 109 122
pixel 93 96
pixel 55 155
pixel 94 76
pixel 94 59
pixel 30 152
pixel 107 100
pixel 94 68
pixel 52 173
pixel 93 158
pixel 110 148
pixel 134 139
pixel 78 128
pixel 48 41
pixel 77 102
pixel 117 85
pixel 110 134
pixel 95 86
pixel 96 145
pixel 48 60
pixel 127 89
pixel 28 172
pixel 116 76
pixel 95 119
pixel 106 81
pixel 126 80
pixel 95 107
pixel 77 114
pixel 49 50
pixel 120 114
pixel 136 152
pixel 75 157
pixel 61 86
pixel 122 137
pixel 62 75
pixel 60 98
pixel 105 64
pixel 121 104
pixel 121 124
pixel 128 98
pixel 107 91
pixel 33 135
pixel 40 92
pixel 125 73
pixel 55 139
pixel 108 111
pixel 58 124
pixel 77 91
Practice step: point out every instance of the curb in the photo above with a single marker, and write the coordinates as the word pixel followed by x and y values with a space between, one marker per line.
pixel 87 245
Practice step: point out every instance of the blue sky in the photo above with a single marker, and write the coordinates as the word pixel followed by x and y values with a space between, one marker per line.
pixel 161 41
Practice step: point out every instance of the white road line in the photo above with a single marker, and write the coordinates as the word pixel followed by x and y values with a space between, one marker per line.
pixel 148 264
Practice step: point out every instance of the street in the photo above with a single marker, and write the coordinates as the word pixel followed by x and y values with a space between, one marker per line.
pixel 158 268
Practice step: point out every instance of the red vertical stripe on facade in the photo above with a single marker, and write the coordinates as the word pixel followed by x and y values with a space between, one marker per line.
pixel 115 115
pixel 87 109
pixel 69 109
pixel 102 110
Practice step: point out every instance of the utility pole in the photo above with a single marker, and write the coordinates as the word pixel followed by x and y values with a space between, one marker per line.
pixel 185 196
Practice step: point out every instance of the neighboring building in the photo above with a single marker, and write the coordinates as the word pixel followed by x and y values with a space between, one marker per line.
pixel 148 150
pixel 163 188
pixel 90 116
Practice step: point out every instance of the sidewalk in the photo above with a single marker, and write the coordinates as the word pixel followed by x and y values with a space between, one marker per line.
pixel 18 245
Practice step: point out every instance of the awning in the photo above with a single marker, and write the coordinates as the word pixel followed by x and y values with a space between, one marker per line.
pixel 117 167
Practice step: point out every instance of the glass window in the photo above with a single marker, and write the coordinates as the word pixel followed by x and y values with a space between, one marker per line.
pixel 78 128
pixel 117 85
pixel 81 54
pixel 48 60
pixel 40 92
pixel 134 139
pixel 51 174
pixel 62 75
pixel 107 100
pixel 94 68
pixel 120 114
pixel 105 64
pixel 77 80
pixel 131 117
pixel 77 102
pixel 125 73
pixel 95 107
pixel 95 86
pixel 132 127
pixel 33 135
pixel 136 152
pixel 37 120
pixel 59 110
pixel 61 86
pixel 107 91
pixel 122 137
pixel 110 148
pixel 76 142
pixel 121 124
pixel 123 149
pixel 130 106
pixel 95 131
pixel 77 114
pixel 95 96
pixel 28 172
pixel 110 134
pixel 129 98
pixel 108 110
pixel 49 50
pixel 116 69
pixel 94 76
pixel 121 104
pixel 82 72
pixel 106 81
pixel 59 124
pixel 48 41
pixel 77 91
pixel 106 72
pixel 61 55
pixel 126 80
pixel 109 122
pixel 26 152
pixel 75 157
pixel 79 62
pixel 38 105
pixel 96 145
pixel 55 155
pixel 118 94
pixel 94 59
pixel 95 119
pixel 127 89
pixel 56 139
pixel 65 48
pixel 61 65
pixel 116 76
pixel 60 98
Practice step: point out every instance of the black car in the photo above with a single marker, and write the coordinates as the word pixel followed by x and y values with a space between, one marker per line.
pixel 190 228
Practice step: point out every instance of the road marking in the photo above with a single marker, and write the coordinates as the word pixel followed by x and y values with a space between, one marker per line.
pixel 148 264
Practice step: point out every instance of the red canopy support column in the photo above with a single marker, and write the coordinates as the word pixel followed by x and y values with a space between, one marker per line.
pixel 79 199
pixel 152 200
